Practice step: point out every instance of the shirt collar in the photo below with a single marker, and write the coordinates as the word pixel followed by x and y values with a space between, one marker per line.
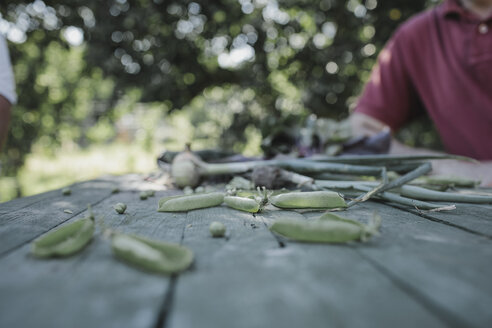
pixel 454 9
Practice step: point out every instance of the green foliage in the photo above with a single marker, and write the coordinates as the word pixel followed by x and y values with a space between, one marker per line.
pixel 263 62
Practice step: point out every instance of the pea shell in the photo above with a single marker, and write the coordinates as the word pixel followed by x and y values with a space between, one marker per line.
pixel 150 255
pixel 65 241
pixel 318 231
pixel 217 229
pixel 334 217
pixel 242 204
pixel 308 199
pixel 183 203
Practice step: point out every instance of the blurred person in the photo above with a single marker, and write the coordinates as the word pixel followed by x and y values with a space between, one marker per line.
pixel 8 96
pixel 438 62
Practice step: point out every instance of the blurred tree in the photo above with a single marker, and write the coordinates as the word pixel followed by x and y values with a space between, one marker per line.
pixel 295 57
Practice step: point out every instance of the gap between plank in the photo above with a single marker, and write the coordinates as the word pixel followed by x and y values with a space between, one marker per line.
pixel 167 302
pixel 442 314
pixel 280 243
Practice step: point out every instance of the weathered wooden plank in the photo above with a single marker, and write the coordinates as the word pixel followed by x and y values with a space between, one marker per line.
pixel 109 182
pixel 475 218
pixel 26 224
pixel 20 203
pixel 90 289
pixel 25 202
pixel 419 272
pixel 35 218
pixel 249 281
pixel 445 268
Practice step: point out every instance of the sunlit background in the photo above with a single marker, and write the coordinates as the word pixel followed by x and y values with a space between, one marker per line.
pixel 105 86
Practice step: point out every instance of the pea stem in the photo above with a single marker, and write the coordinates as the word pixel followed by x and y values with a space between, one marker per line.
pixel 296 165
pixel 372 188
pixel 392 197
pixel 427 194
pixel 412 175
pixel 383 159
pixel 371 192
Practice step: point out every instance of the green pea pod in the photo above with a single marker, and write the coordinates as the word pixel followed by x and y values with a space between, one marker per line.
pixel 150 255
pixel 308 199
pixel 242 204
pixel 326 229
pixel 65 241
pixel 184 203
pixel 333 217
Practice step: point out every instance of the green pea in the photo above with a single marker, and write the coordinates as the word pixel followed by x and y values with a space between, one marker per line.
pixel 65 241
pixel 242 203
pixel 217 229
pixel 151 255
pixel 120 208
pixel 183 203
pixel 327 229
pixel 66 191
pixel 115 190
pixel 309 199
pixel 146 194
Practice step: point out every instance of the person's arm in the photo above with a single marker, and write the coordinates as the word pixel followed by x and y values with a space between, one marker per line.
pixel 366 125
pixel 7 90
pixel 4 119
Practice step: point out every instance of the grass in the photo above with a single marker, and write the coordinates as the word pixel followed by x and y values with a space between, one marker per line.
pixel 43 172
pixel 138 154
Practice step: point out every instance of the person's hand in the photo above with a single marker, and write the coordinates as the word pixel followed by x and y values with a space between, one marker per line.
pixel 482 171
pixel 4 119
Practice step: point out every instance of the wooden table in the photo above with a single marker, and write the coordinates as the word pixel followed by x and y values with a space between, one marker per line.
pixel 425 270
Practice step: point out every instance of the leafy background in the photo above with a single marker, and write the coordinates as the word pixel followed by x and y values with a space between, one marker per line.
pixel 104 86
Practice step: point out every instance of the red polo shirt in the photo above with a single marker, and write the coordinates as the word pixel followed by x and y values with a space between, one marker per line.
pixel 439 61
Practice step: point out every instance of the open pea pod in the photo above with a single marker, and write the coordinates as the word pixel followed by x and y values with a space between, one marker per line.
pixel 151 255
pixel 309 199
pixel 333 217
pixel 182 203
pixel 65 241
pixel 326 229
